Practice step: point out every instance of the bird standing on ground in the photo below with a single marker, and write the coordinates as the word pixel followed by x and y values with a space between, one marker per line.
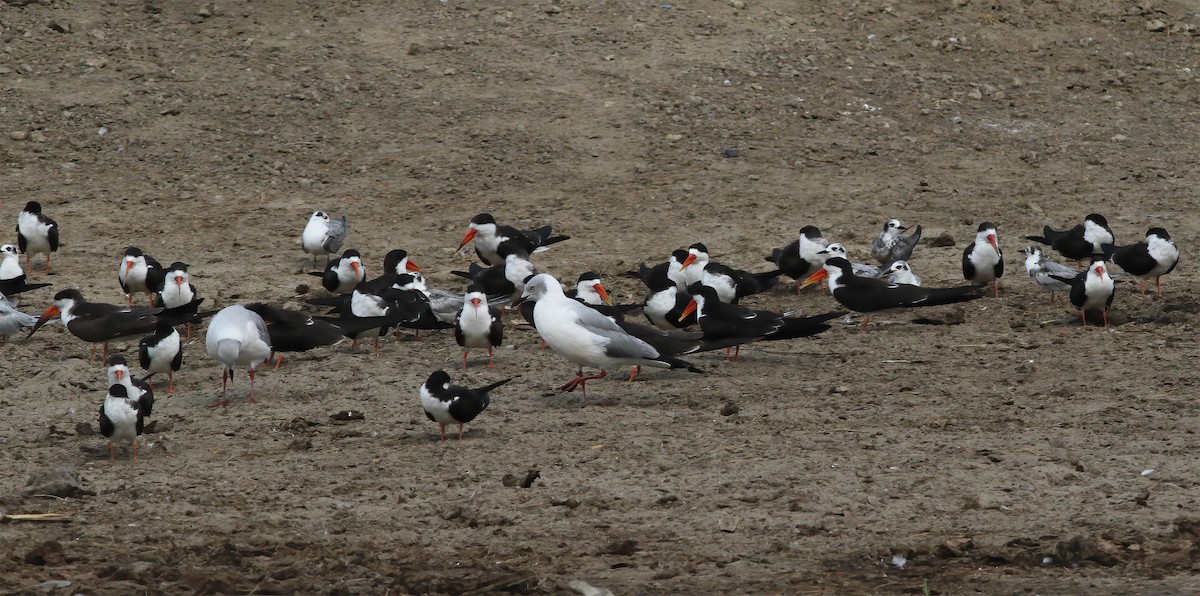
pixel 161 352
pixel 1153 257
pixel 323 236
pixel 1081 242
pixel 139 273
pixel 494 242
pixel 586 337
pixel 451 404
pixel 477 326
pixel 1091 290
pixel 1047 274
pixel 237 337
pixel 890 245
pixel 869 295
pixel 36 233
pixel 122 418
pixel 95 322
pixel 982 261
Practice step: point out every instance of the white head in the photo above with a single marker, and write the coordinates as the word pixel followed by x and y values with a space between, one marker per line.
pixel 319 216
pixel 541 286
pixel 8 250
pixel 892 228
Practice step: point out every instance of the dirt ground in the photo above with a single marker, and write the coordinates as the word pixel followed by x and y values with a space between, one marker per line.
pixel 1015 452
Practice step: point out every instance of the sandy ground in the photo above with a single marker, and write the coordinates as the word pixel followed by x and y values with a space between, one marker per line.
pixel 1015 452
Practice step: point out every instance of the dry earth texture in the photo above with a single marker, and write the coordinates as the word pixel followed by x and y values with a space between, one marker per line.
pixel 1010 450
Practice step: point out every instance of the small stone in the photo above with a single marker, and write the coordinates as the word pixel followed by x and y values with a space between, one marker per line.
pixel 623 548
pixel 568 503
pixel 975 93
pixel 1118 138
pixel 841 389
pixel 731 152
pixel 302 289
pixel 18 135
pixel 59 481
pixel 84 429
pixel 552 9
pixel 530 478
pixel 941 240
pixel 1156 25
pixel 729 409
pixel 301 444
pixel 347 415
pixel 738 4
pixel 37 136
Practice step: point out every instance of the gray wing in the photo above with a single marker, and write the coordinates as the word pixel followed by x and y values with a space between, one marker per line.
pixel 903 249
pixel 862 270
pixel 335 235
pixel 444 304
pixel 879 249
pixel 261 327
pixel 620 343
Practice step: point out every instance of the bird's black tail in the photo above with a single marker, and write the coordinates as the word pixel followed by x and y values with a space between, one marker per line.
pixel 487 388
pixel 951 295
pixel 794 327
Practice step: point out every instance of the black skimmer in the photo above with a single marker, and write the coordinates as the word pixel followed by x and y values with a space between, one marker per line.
pixel 506 279
pixel 838 250
pixel 237 337
pixel 731 284
pixel 36 233
pixel 1081 242
pixel 451 404
pixel 1154 257
pixel 983 262
pixel 477 326
pixel 586 337
pixel 1091 290
pixel 119 374
pixel 494 242
pixel 665 303
pixel 690 270
pixel 343 274
pixel 139 273
pixel 95 322
pixel 799 259
pixel 12 320
pixel 122 418
pixel 868 295
pixel 890 245
pixel 161 352
pixel 667 270
pixel 178 294
pixel 590 291
pixel 323 236
pixel 293 331
pixel 734 325
pixel 12 277
pixel 1047 274
pixel 899 272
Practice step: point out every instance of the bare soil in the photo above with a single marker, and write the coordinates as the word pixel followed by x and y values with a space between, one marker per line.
pixel 1014 452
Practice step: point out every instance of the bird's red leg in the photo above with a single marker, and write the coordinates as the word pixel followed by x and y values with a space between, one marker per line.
pixel 92 356
pixel 1104 313
pixel 354 344
pixel 465 359
pixel 543 348
pixel 1083 313
pixel 278 361
pixel 250 398
pixel 189 331
pixel 491 362
pixel 105 353
pixel 460 432
pixel 112 451
pixel 1142 288
pixel 376 346
pixel 581 381
pixel 129 297
pixel 634 373
pixel 997 288
pixel 737 351
pixel 866 321
pixel 170 382
pixel 135 449
pixel 443 439
pixel 727 352
pixel 29 261
pixel 47 270
pixel 1158 285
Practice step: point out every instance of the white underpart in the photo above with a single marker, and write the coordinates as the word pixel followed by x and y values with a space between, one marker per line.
pixel 657 307
pixel 440 410
pixel 1098 288
pixel 1096 234
pixel 163 353
pixel 1165 254
pixel 10 267
pixel 984 257
pixel 475 321
pixel 123 413
pixel 36 233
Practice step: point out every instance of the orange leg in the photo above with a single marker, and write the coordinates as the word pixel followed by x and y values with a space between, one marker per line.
pixel 491 364
pixel 866 321
pixel 170 382
pixel 278 361
pixel 634 373
pixel 460 432
pixel 189 331
pixel 112 451
pixel 581 381
pixel 1158 286
pixel 135 449
pixel 250 398
pixel 443 437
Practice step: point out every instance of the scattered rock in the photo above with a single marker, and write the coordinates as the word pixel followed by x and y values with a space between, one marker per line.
pixel 50 552
pixel 941 240
pixel 953 548
pixel 731 152
pixel 954 316
pixel 667 499
pixel 530 478
pixel 1156 25
pixel 568 503
pixel 301 444
pixel 18 135
pixel 59 481
pixel 302 289
pixel 84 429
pixel 347 415
pixel 623 548
pixel 729 409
